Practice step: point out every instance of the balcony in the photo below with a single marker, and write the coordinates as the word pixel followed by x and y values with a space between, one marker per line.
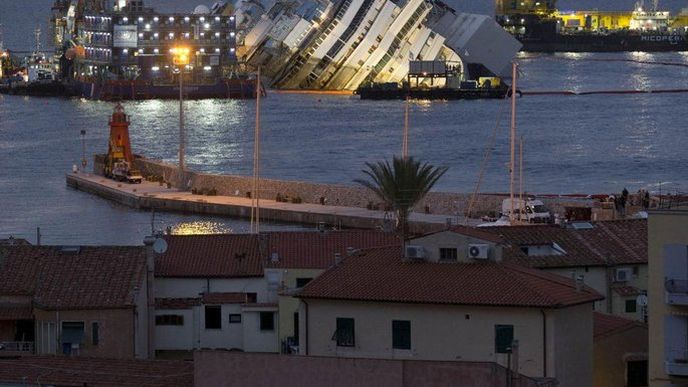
pixel 676 362
pixel 676 291
pixel 16 346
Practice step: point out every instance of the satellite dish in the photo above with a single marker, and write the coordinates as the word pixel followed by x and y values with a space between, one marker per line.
pixel 160 246
pixel 641 300
pixel 201 10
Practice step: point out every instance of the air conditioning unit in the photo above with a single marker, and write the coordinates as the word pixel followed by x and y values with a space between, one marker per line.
pixel 623 274
pixel 478 251
pixel 415 252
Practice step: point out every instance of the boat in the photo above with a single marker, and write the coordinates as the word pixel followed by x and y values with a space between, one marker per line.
pixel 37 77
pixel 430 80
pixel 541 27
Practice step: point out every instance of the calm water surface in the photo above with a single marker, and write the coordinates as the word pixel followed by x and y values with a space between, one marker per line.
pixel 594 143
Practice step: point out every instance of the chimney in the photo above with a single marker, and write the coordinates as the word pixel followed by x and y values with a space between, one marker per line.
pixel 150 294
pixel 350 251
pixel 274 257
pixel 337 258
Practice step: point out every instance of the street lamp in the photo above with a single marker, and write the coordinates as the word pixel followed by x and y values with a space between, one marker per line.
pixel 181 59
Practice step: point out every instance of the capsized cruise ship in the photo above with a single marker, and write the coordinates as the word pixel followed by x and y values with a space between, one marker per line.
pixel 340 44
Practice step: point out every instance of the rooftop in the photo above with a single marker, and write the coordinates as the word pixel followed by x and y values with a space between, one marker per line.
pixel 607 324
pixel 245 255
pixel 380 274
pixel 73 278
pixel 616 242
pixel 83 371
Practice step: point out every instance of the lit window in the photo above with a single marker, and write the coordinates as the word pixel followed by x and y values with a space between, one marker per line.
pixel 155 19
pixel 201 18
pixel 345 335
pixel 401 334
pixel 171 19
pixel 148 26
pixel 213 319
pixel 206 25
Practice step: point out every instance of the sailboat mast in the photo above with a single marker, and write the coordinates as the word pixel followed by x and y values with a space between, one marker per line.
pixel 513 141
pixel 255 199
pixel 404 145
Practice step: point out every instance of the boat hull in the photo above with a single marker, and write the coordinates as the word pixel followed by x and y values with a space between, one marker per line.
pixel 605 43
pixel 430 94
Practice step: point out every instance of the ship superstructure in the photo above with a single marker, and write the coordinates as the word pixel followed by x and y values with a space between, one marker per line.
pixel 335 45
pixel 543 27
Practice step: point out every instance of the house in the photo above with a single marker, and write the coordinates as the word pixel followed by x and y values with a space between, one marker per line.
pixel 223 291
pixel 610 256
pixel 210 293
pixel 296 258
pixel 620 347
pixel 76 301
pixel 383 304
pixel 668 297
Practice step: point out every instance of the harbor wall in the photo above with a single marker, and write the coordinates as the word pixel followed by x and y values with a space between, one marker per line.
pixel 307 192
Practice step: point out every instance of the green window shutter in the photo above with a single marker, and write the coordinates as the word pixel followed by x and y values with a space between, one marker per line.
pixel 345 334
pixel 504 336
pixel 401 334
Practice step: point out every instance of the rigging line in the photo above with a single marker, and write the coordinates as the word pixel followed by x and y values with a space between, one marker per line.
pixel 486 158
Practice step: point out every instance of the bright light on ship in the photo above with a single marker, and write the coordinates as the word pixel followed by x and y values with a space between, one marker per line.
pixel 206 68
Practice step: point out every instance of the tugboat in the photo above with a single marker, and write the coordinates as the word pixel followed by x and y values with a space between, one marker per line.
pixel 431 80
pixel 38 77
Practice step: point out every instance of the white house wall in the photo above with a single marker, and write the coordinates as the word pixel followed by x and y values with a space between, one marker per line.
pixel 194 287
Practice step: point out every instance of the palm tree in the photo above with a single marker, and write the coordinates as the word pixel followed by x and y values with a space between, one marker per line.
pixel 401 185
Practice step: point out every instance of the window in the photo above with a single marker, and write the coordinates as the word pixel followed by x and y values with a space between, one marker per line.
pixel 345 334
pixel 636 373
pixel 267 321
pixel 71 336
pixel 95 333
pixel 213 318
pixel 448 254
pixel 235 319
pixel 296 328
pixel 631 306
pixel 504 336
pixel 169 319
pixel 401 334
pixel 301 282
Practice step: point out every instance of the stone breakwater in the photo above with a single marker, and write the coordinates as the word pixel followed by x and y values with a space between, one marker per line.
pixel 319 193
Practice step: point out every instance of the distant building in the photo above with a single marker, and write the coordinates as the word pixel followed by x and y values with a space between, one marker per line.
pixel 74 301
pixel 620 351
pixel 442 305
pixel 668 297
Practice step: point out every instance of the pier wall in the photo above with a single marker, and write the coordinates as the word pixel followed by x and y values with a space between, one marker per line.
pixel 307 192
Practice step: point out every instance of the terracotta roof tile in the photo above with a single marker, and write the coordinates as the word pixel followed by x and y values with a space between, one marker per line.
pixel 618 242
pixel 380 274
pixel 607 324
pixel 176 303
pixel 75 278
pixel 214 256
pixel 82 371
pixel 316 250
pixel 15 312
pixel 225 298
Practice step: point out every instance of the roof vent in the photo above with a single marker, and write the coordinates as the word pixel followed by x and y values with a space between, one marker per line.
pixel 337 258
pixel 274 257
pixel 70 249
pixel 350 251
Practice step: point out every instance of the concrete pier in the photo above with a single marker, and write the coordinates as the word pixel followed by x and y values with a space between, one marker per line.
pixel 148 195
